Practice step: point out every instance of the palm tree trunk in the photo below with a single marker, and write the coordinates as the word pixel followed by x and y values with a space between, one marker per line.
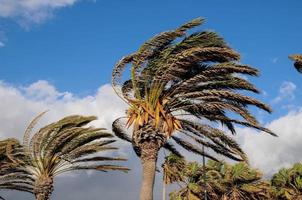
pixel 149 152
pixel 43 188
pixel 42 196
pixel 164 189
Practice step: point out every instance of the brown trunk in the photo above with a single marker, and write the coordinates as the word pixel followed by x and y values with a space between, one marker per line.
pixel 43 188
pixel 164 188
pixel 149 151
pixel 42 197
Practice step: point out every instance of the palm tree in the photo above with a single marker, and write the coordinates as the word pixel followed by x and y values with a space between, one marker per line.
pixel 240 182
pixel 224 182
pixel 178 82
pixel 192 183
pixel 298 61
pixel 172 171
pixel 287 183
pixel 63 146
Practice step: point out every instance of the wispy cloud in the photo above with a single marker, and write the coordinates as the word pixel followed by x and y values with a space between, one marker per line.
pixel 275 60
pixel 2 44
pixel 286 92
pixel 28 12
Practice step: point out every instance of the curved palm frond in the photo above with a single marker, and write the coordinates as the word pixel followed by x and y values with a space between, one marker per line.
pixel 12 175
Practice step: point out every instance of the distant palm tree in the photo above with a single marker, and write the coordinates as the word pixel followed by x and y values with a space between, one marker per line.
pixel 240 182
pixel 59 147
pixel 192 177
pixel 224 182
pixel 172 171
pixel 298 61
pixel 174 88
pixel 287 183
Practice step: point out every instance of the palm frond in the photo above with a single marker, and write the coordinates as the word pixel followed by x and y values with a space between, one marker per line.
pixel 117 128
pixel 27 133
pixel 297 58
pixel 192 148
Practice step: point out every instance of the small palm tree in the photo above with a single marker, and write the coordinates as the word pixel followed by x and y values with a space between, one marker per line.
pixel 175 88
pixel 287 183
pixel 172 171
pixel 59 147
pixel 224 182
pixel 240 182
pixel 192 183
pixel 298 61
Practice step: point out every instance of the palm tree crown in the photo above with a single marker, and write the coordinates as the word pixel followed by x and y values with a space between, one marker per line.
pixel 224 182
pixel 287 183
pixel 196 77
pixel 59 147
pixel 178 82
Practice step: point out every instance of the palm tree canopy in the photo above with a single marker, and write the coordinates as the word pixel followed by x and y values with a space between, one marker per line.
pixel 287 183
pixel 297 58
pixel 241 181
pixel 223 181
pixel 65 145
pixel 179 81
pixel 173 168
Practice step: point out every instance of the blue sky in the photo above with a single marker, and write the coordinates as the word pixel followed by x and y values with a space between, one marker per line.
pixel 60 54
pixel 76 49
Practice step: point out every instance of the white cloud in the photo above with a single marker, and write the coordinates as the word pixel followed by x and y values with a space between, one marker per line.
pixel 286 92
pixel 270 153
pixel 2 44
pixel 20 104
pixel 31 11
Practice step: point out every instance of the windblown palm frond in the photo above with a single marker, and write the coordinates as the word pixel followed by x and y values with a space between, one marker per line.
pixel 12 175
pixel 178 82
pixel 63 146
pixel 287 183
pixel 297 61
